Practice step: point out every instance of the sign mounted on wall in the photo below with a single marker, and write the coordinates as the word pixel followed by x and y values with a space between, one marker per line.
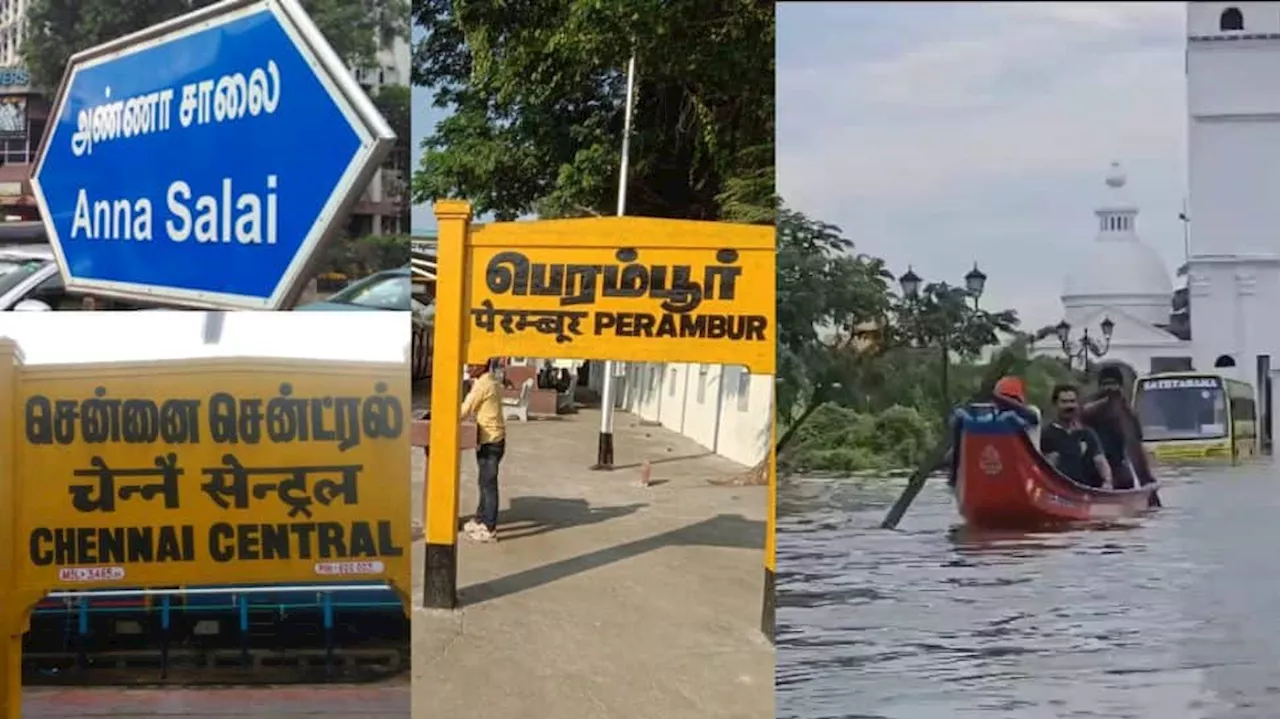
pixel 14 78
pixel 223 471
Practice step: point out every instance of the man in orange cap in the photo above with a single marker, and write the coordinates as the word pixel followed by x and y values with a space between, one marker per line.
pixel 1011 394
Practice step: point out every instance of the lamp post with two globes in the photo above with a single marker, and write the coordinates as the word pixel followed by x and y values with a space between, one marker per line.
pixel 1082 349
pixel 975 281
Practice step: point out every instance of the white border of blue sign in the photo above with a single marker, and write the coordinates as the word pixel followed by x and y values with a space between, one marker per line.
pixel 376 140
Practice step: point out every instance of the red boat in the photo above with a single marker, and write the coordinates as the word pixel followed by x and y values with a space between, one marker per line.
pixel 1002 481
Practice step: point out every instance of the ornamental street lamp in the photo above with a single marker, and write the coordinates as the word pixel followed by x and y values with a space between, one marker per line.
pixel 974 284
pixel 910 282
pixel 1084 348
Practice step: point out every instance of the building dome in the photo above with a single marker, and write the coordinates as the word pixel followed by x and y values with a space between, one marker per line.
pixel 1117 269
pixel 1126 269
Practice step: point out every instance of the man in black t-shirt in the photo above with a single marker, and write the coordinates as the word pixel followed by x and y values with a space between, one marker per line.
pixel 1072 448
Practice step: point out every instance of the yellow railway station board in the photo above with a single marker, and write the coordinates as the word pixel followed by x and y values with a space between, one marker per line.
pixel 618 288
pixel 173 474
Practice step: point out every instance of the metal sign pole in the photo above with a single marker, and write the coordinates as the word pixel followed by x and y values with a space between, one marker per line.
pixel 604 450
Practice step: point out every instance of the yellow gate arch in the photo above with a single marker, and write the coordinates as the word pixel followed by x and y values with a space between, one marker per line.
pixel 615 288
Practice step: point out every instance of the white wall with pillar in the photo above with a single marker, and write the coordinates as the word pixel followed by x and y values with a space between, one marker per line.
pixel 723 408
pixel 1233 167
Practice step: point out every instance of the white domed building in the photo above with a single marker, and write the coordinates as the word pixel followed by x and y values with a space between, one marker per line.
pixel 1121 284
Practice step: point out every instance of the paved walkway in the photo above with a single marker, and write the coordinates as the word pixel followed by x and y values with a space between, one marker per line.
pixel 386 700
pixel 603 598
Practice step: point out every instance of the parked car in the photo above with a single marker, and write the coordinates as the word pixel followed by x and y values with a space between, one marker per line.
pixel 23 268
pixel 388 290
pixel 29 280
pixel 385 290
pixel 29 276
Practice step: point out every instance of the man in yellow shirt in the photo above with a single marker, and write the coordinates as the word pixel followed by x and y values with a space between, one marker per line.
pixel 484 402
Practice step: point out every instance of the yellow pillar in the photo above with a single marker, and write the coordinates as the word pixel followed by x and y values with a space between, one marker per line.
pixel 12 604
pixel 11 691
pixel 18 606
pixel 768 618
pixel 441 572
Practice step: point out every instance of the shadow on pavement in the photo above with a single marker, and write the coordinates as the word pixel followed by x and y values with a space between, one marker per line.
pixel 724 530
pixel 664 460
pixel 531 516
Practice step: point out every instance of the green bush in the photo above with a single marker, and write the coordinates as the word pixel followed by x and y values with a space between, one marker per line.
pixel 843 460
pixel 838 439
pixel 891 415
pixel 902 435
pixel 363 256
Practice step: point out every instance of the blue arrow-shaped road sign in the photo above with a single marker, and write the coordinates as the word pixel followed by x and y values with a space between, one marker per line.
pixel 205 161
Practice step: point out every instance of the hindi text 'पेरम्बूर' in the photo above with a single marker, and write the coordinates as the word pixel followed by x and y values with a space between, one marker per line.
pixel 677 288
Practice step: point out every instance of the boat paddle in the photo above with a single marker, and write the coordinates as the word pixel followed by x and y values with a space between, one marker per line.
pixel 1001 366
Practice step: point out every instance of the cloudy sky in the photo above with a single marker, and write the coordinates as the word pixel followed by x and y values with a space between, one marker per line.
pixel 943 134
pixel 423 118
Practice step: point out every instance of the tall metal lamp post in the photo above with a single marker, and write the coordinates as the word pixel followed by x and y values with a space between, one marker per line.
pixel 1084 348
pixel 974 283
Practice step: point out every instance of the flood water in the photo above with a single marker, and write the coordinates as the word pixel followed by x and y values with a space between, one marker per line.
pixel 1175 615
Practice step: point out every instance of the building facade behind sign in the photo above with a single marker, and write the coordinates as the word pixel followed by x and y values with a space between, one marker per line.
pixel 12 27
pixel 725 409
pixel 383 209
pixel 23 114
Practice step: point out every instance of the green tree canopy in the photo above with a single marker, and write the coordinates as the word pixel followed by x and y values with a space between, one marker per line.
pixel 362 256
pixel 846 339
pixel 832 304
pixel 57 29
pixel 536 93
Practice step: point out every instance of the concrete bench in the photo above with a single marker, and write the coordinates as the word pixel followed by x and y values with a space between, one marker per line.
pixel 542 402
